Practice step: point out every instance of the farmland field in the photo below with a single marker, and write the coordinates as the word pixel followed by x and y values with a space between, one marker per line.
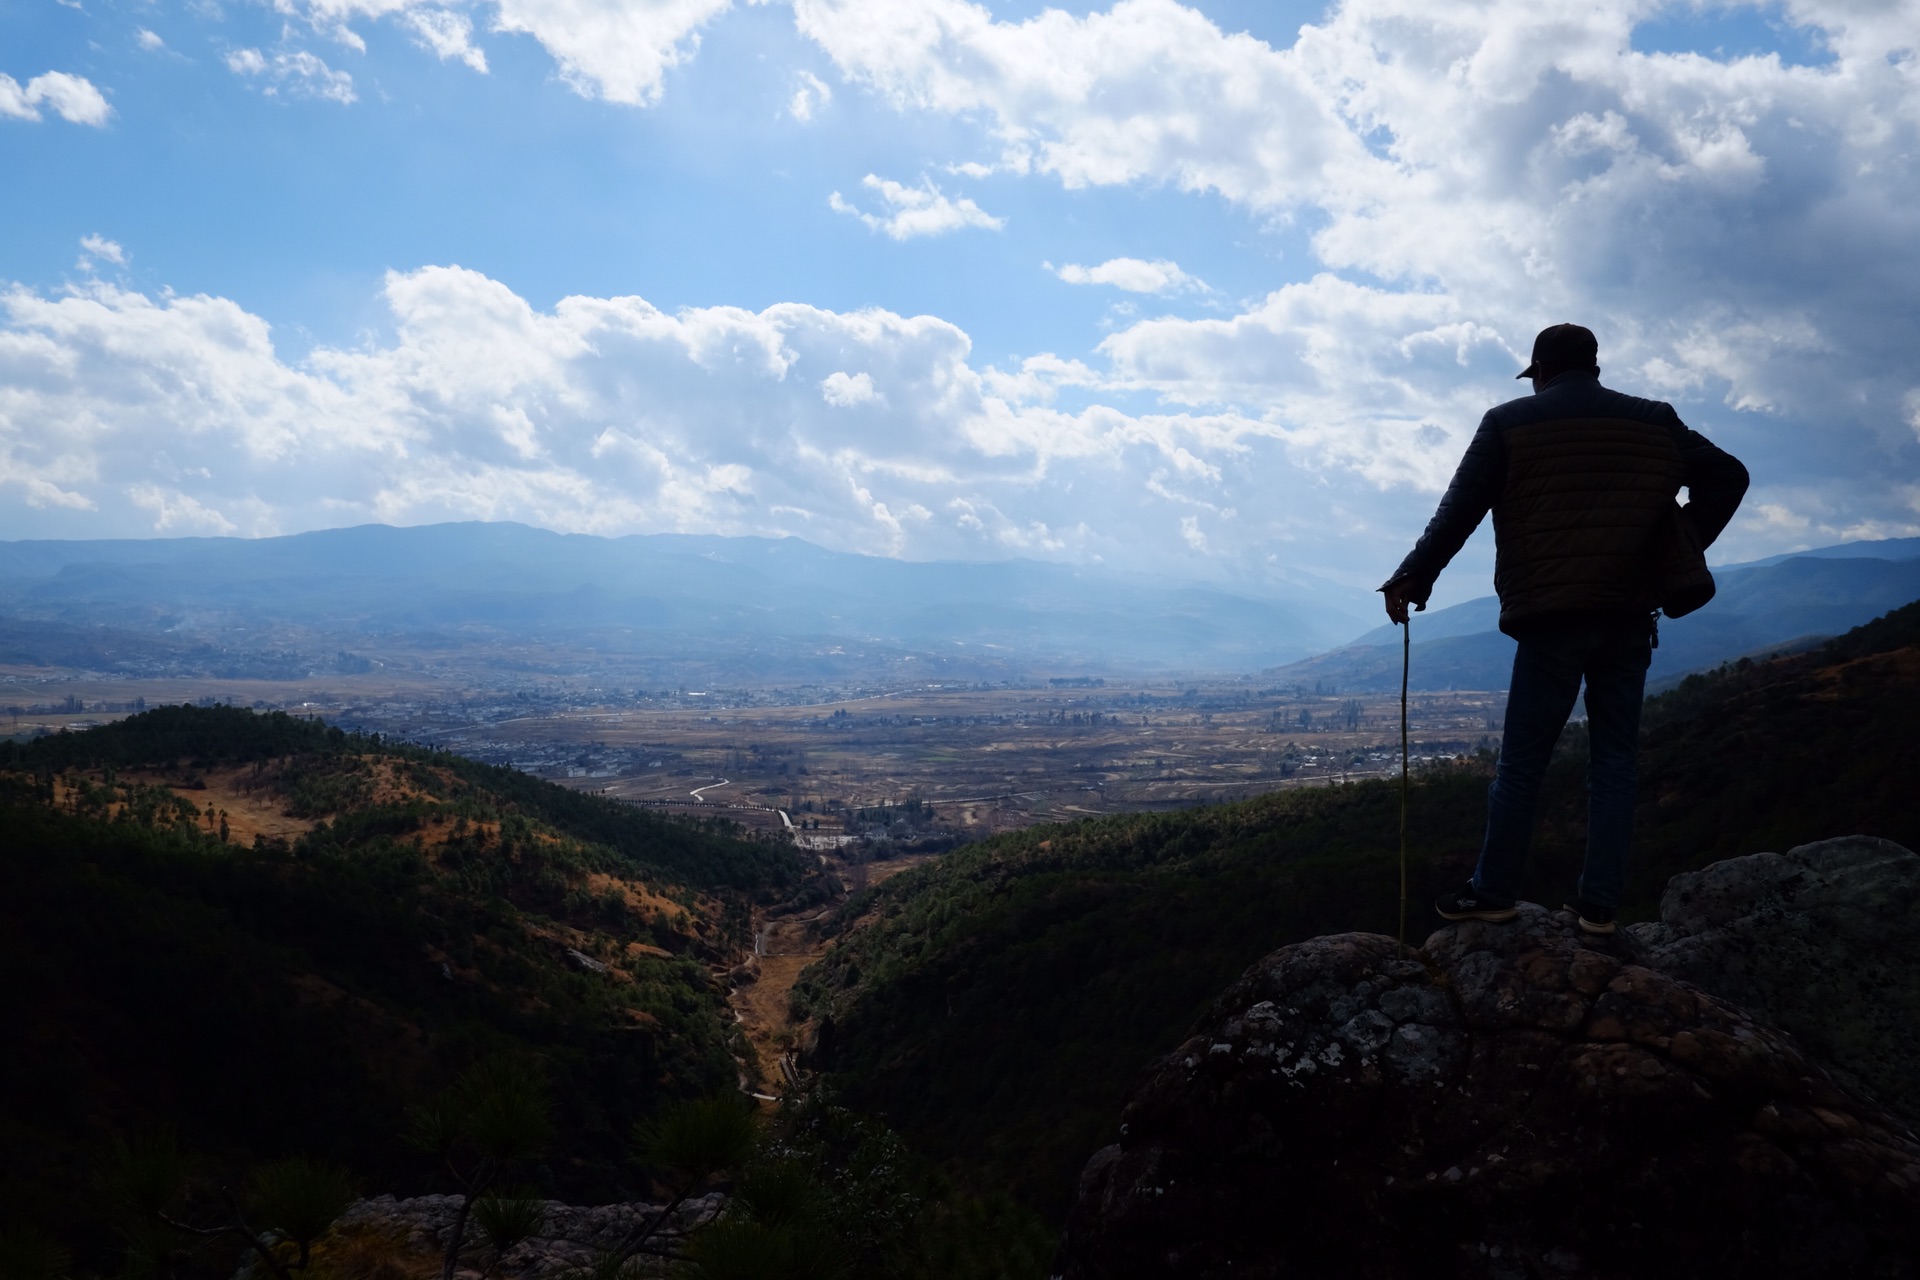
pixel 975 759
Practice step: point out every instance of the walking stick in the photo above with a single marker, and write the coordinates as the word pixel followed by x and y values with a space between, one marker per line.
pixel 1406 662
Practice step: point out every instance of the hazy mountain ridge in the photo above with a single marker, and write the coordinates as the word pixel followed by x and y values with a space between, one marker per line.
pixel 279 608
pixel 1780 604
pixel 464 582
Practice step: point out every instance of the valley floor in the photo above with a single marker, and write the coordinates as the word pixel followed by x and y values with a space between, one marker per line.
pixel 989 759
pixel 784 946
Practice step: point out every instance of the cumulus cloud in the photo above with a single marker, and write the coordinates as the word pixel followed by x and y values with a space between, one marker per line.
pixel 178 513
pixel 1150 90
pixel 614 49
pixel 915 211
pixel 72 98
pixel 1135 275
pixel 97 248
pixel 447 33
pixel 619 50
pixel 812 92
pixel 295 73
pixel 1191 533
pixel 137 414
pixel 844 391
pixel 1496 165
pixel 1039 378
pixel 1386 384
pixel 149 41
pixel 123 413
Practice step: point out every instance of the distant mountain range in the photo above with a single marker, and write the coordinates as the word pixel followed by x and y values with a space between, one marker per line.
pixel 274 607
pixel 757 608
pixel 1780 604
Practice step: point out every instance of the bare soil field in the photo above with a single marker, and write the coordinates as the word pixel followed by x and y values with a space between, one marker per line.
pixel 819 768
pixel 994 760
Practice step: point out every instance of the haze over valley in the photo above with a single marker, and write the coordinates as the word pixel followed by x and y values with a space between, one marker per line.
pixel 774 683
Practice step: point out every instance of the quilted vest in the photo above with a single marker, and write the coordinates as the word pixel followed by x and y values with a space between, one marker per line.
pixel 1579 515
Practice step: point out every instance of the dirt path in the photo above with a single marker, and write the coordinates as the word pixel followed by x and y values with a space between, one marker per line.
pixel 786 949
pixel 787 946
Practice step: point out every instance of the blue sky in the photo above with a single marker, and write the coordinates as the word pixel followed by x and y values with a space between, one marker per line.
pixel 716 195
pixel 1176 287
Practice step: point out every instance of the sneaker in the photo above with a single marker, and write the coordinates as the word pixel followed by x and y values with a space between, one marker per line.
pixel 1593 919
pixel 1471 904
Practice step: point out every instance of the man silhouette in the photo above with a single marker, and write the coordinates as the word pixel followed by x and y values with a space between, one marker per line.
pixel 1581 481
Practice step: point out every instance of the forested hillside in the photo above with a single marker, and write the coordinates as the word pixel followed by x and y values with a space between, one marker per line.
pixel 272 938
pixel 995 1005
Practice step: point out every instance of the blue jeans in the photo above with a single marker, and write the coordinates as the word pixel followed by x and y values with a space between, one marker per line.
pixel 1547 670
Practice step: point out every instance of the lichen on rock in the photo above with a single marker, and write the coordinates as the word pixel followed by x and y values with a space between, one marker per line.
pixel 1822 941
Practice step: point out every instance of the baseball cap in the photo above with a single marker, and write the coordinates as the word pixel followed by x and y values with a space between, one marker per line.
pixel 1563 346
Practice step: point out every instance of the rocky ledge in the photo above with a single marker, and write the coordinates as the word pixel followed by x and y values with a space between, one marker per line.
pixel 1822 941
pixel 569 1241
pixel 1506 1101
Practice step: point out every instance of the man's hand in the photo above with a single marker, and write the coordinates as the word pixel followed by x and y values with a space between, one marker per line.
pixel 1396 598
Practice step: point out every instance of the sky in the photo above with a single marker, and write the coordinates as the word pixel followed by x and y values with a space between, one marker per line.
pixel 1212 291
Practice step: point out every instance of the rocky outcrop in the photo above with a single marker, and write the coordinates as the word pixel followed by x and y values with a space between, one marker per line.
pixel 1508 1101
pixel 1822 941
pixel 569 1240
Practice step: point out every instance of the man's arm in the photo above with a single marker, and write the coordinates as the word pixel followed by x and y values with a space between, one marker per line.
pixel 1475 487
pixel 1716 481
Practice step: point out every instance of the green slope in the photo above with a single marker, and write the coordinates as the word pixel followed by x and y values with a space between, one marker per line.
pixel 297 996
pixel 996 1005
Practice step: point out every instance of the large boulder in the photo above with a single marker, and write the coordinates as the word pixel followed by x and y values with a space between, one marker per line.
pixel 1822 941
pixel 1515 1100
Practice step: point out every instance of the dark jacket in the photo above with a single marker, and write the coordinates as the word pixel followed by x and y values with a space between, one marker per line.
pixel 1579 479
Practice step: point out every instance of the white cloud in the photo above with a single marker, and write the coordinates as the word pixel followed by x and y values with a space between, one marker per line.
pixel 448 34
pixel 122 413
pixel 296 73
pixel 178 513
pixel 1385 384
pixel 603 414
pixel 148 40
pixel 14 101
pixel 41 494
pixel 72 98
pixel 1039 379
pixel 844 391
pixel 1135 275
pixel 813 90
pixel 619 50
pixel 1148 91
pixel 916 211
pixel 1490 166
pixel 97 248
